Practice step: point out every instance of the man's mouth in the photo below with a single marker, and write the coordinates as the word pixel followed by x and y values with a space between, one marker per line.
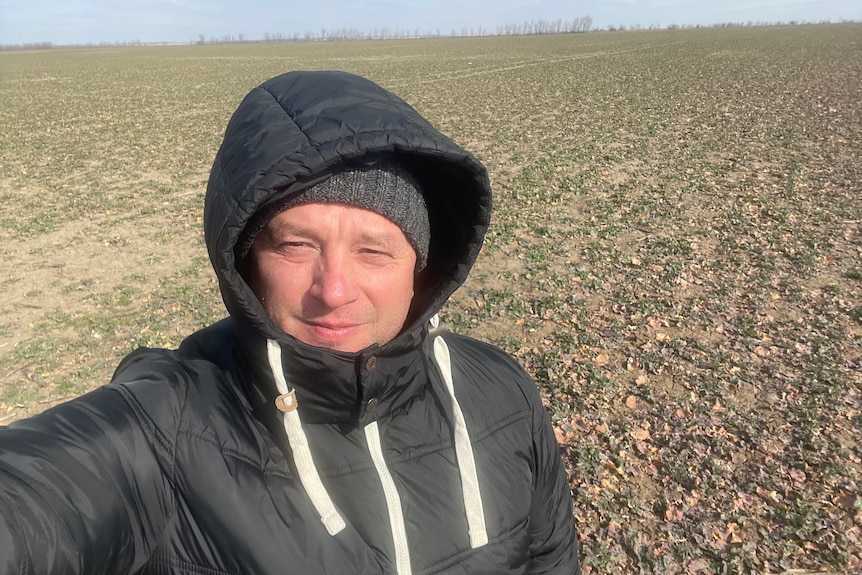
pixel 332 330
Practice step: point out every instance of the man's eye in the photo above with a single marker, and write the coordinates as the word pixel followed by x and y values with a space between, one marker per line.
pixel 293 247
pixel 374 253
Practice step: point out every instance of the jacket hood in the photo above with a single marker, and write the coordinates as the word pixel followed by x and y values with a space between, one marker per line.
pixel 299 128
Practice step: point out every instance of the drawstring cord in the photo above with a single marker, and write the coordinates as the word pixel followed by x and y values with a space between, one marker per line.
pixel 308 475
pixel 463 449
pixel 310 479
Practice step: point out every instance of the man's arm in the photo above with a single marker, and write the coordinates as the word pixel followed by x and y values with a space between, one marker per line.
pixel 554 546
pixel 84 488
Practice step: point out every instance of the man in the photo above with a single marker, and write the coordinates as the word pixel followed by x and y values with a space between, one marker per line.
pixel 327 426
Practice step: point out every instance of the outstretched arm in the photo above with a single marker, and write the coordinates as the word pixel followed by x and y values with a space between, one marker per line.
pixel 84 488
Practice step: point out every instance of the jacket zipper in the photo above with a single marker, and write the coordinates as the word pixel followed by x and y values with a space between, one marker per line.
pixel 393 501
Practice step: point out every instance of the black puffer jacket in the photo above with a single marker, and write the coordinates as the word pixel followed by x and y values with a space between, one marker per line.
pixel 430 454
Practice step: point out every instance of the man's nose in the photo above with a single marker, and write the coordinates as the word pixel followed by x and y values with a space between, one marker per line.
pixel 334 283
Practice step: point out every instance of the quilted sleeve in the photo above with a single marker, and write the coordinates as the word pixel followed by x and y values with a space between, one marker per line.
pixel 84 488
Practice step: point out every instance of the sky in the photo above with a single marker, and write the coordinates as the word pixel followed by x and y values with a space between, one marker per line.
pixel 106 21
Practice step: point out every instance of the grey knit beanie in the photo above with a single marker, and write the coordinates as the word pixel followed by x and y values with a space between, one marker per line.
pixel 385 188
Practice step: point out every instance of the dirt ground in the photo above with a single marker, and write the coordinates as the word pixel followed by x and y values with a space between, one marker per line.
pixel 675 256
pixel 64 284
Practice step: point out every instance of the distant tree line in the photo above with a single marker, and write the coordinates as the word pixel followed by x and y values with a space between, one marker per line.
pixel 559 26
pixel 50 45
pixel 749 24
pixel 533 27
pixel 577 25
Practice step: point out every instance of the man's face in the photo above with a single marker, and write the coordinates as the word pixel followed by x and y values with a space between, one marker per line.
pixel 334 275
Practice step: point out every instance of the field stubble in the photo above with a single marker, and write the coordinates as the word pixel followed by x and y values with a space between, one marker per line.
pixel 675 256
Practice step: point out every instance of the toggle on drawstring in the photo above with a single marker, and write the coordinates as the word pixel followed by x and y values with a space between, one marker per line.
pixel 308 475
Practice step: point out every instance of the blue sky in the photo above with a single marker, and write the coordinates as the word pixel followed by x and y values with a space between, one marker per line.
pixel 96 21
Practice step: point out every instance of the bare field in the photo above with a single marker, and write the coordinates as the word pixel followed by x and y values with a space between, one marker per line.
pixel 676 256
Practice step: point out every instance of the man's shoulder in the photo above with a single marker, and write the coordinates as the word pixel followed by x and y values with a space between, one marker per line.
pixel 484 354
pixel 489 370
pixel 192 397
pixel 199 372
pixel 204 351
pixel 213 343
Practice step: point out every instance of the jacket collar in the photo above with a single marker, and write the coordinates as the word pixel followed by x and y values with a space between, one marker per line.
pixel 337 387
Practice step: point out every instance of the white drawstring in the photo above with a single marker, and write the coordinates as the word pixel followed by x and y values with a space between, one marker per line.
pixel 463 450
pixel 308 474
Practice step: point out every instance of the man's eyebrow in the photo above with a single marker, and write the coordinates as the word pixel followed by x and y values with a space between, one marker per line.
pixel 287 228
pixel 383 239
pixel 281 229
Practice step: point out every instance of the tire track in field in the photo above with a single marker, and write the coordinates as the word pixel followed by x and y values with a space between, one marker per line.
pixel 431 78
